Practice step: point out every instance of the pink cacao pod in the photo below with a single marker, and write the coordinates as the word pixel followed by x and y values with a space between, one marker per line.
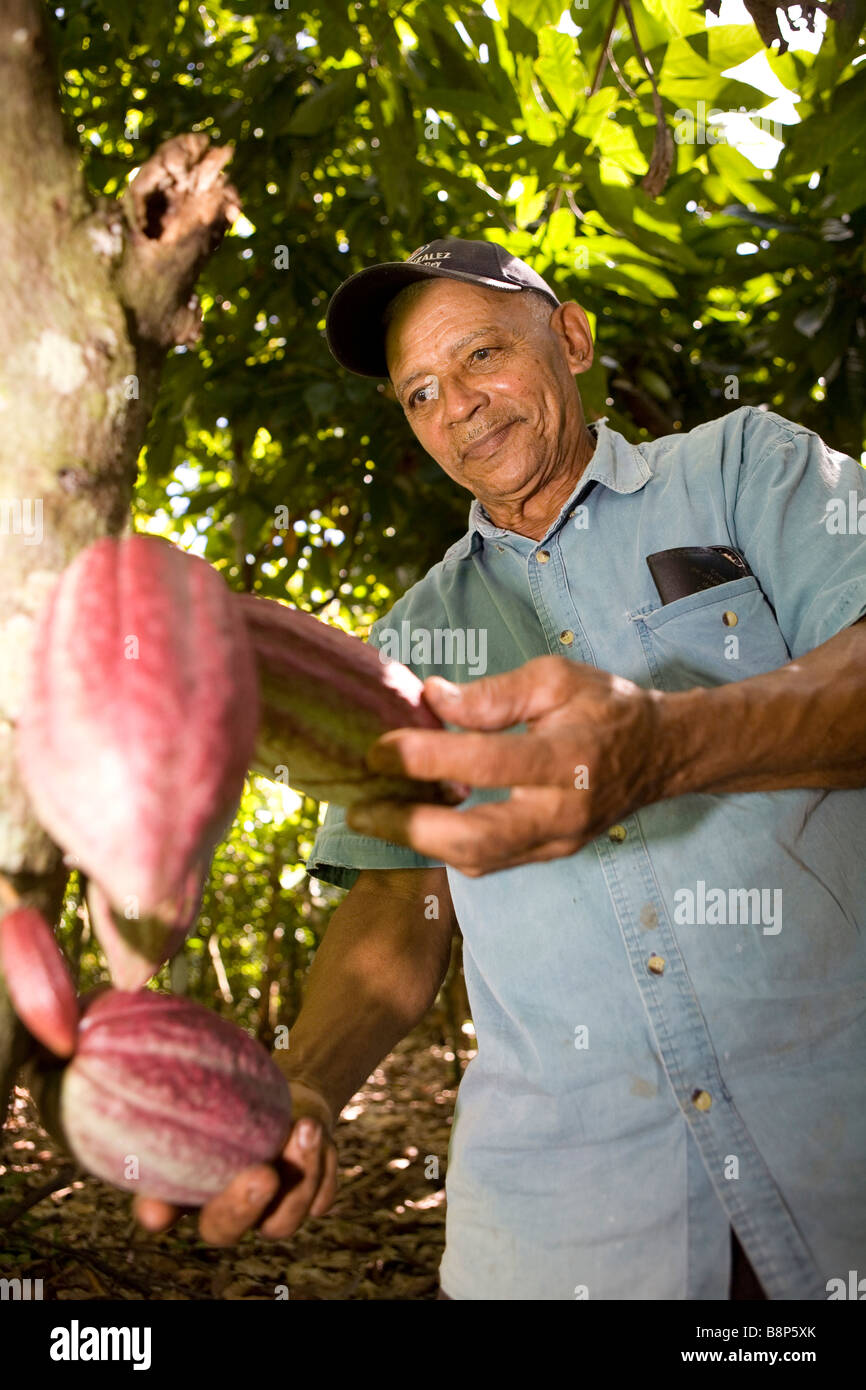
pixel 135 949
pixel 140 719
pixel 326 697
pixel 38 979
pixel 166 1099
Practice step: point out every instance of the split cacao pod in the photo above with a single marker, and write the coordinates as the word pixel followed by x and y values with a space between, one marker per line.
pixel 325 698
pixel 38 980
pixel 165 1099
pixel 140 719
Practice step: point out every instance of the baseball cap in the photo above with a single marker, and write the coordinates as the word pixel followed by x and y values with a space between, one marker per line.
pixel 353 326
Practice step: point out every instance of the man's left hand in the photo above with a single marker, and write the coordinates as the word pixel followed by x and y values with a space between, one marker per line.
pixel 596 748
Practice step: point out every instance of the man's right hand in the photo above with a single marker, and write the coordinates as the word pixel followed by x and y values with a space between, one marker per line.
pixel 274 1198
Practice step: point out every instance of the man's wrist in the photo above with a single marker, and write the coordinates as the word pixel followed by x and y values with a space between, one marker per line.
pixel 309 1093
pixel 701 739
pixel 742 736
pixel 800 725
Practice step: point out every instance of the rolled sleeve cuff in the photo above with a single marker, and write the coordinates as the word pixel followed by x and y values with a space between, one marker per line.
pixel 339 855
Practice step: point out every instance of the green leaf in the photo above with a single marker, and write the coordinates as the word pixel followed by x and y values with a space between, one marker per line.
pixel 683 16
pixel 530 204
pixel 731 44
pixel 534 13
pixel 540 124
pixel 687 77
pixel 397 166
pixel 462 103
pixel 737 174
pixel 316 113
pixel 560 70
pixel 595 111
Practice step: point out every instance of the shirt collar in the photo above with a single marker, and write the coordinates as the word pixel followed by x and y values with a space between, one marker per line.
pixel 616 463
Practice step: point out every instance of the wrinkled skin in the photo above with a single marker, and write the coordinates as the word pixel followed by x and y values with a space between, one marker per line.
pixel 576 718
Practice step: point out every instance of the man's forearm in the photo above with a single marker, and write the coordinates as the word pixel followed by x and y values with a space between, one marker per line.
pixel 375 975
pixel 803 725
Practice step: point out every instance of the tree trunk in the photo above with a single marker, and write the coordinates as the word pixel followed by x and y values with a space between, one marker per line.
pixel 95 293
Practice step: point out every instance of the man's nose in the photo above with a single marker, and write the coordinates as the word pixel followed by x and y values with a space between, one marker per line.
pixel 460 399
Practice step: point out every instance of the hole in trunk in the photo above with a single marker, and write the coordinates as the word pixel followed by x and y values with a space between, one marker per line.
pixel 155 207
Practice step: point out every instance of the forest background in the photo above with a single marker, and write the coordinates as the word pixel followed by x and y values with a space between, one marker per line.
pixel 693 175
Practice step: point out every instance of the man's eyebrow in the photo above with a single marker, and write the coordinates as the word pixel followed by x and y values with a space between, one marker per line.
pixel 452 352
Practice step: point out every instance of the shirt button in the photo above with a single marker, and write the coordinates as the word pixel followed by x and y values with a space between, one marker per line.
pixel 656 965
pixel 701 1100
pixel 567 637
pixel 542 556
pixel 648 916
pixel 617 833
pixel 729 618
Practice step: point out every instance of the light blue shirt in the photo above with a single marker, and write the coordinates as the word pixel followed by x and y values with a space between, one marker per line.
pixel 707 952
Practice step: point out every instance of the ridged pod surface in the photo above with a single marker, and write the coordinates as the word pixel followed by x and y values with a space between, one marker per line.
pixel 38 980
pixel 140 719
pixel 325 698
pixel 165 1099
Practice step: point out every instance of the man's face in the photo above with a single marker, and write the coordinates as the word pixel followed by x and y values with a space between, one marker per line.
pixel 486 382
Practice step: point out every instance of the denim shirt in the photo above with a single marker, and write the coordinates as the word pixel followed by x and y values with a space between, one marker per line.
pixel 671 1023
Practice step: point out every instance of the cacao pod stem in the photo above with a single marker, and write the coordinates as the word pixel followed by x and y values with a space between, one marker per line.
pixel 135 949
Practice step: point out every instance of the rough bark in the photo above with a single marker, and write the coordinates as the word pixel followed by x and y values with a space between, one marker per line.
pixel 96 292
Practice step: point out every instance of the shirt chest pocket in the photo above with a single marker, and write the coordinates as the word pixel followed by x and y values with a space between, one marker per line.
pixel 725 633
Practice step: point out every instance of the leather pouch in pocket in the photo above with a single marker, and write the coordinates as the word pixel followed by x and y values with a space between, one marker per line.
pixel 688 569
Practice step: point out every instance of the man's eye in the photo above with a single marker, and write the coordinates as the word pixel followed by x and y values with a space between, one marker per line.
pixel 420 397
pixel 478 351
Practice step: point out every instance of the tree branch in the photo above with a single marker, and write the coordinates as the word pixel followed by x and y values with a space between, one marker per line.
pixel 176 210
pixel 662 160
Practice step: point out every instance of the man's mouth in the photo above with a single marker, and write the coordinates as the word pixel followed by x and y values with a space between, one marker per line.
pixel 489 443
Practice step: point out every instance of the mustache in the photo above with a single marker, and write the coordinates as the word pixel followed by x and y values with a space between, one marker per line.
pixel 482 431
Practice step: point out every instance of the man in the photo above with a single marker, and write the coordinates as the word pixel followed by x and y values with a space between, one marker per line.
pixel 663 921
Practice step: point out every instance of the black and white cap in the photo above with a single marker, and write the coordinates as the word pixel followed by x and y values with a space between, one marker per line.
pixel 354 329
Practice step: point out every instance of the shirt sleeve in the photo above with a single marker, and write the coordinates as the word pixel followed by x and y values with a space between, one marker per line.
pixel 339 854
pixel 800 517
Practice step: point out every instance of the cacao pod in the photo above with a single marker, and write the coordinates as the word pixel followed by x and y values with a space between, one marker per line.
pixel 140 719
pixel 325 699
pixel 38 979
pixel 135 949
pixel 166 1099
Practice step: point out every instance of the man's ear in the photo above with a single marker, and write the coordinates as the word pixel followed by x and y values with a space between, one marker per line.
pixel 571 326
